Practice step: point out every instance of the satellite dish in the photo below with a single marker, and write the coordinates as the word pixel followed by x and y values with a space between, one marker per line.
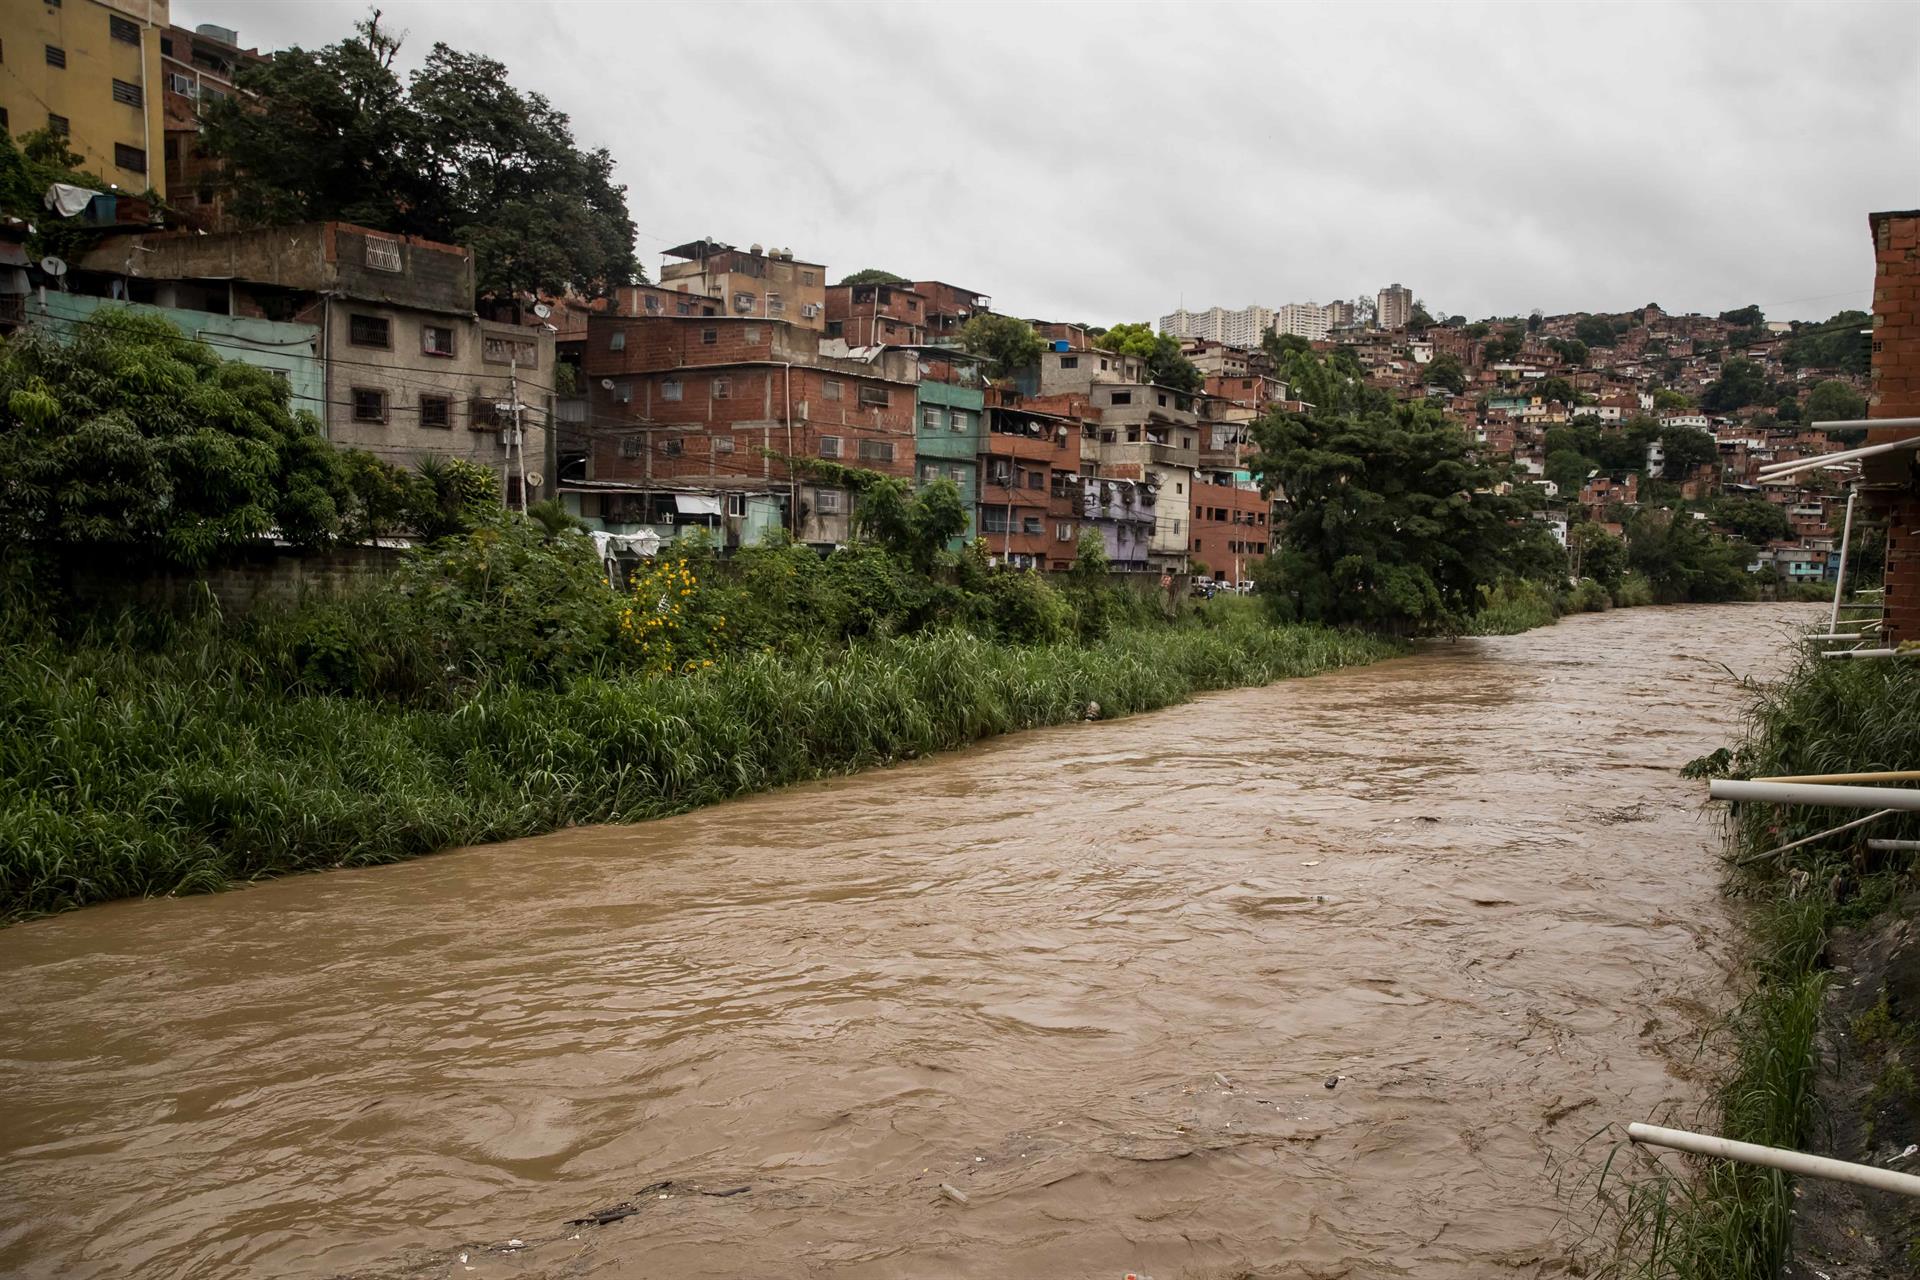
pixel 53 266
pixel 535 479
pixel 542 310
pixel 606 384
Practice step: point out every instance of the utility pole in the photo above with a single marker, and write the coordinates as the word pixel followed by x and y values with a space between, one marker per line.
pixel 516 440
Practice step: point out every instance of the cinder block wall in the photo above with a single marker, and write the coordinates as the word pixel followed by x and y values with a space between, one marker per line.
pixel 1895 393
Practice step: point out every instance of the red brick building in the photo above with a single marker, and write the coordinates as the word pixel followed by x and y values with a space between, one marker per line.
pixel 1230 523
pixel 686 413
pixel 872 315
pixel 1891 481
pixel 1030 483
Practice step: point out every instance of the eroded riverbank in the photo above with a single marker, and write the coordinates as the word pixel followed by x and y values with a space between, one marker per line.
pixel 1469 883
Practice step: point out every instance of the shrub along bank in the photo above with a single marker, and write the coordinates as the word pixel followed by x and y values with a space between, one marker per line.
pixel 1735 1222
pixel 496 689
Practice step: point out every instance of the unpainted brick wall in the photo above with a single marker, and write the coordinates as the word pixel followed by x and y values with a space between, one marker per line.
pixel 269 576
pixel 1895 393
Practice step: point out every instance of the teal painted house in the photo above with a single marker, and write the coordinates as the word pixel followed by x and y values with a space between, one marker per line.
pixel 288 351
pixel 951 409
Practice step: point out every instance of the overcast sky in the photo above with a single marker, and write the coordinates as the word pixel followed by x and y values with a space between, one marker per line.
pixel 1106 162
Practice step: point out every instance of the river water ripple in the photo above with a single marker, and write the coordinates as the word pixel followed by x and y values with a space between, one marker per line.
pixel 1095 978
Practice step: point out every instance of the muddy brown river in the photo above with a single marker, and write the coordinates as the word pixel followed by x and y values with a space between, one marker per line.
pixel 1096 979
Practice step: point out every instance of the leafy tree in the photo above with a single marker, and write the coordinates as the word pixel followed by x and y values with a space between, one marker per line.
pixel 1747 317
pixel 451 497
pixel 1445 371
pixel 1597 554
pixel 873 275
pixel 1595 331
pixel 1534 321
pixel 1569 469
pixel 1479 329
pixel 1090 563
pixel 1742 382
pixel 1571 350
pixel 1507 345
pixel 1685 448
pixel 1555 389
pixel 1420 317
pixel 1838 343
pixel 1752 520
pixel 1665 398
pixel 1394 526
pixel 1684 560
pixel 131 443
pixel 916 524
pixel 1282 346
pixel 1835 401
pixel 454 153
pixel 38 160
pixel 1166 363
pixel 1006 344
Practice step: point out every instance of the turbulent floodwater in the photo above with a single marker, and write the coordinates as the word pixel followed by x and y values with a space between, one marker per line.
pixel 1095 978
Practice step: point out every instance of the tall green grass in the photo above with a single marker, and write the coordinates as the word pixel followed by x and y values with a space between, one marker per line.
pixel 1734 1222
pixel 130 769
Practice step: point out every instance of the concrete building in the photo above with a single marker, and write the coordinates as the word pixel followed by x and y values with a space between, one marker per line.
pixel 407 368
pixel 948 434
pixel 1304 320
pixel 1393 307
pixel 1150 434
pixel 1124 513
pixel 1243 328
pixel 197 67
pixel 770 284
pixel 1342 315
pixel 1229 524
pixel 89 70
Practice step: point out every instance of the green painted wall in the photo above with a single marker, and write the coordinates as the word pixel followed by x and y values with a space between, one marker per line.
pixel 948 423
pixel 289 349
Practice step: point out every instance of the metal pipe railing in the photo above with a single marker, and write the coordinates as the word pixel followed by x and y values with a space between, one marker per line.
pixel 1815 793
pixel 1705 1144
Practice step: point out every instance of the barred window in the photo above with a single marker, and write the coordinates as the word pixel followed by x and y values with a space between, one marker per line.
pixel 436 411
pixel 127 94
pixel 123 29
pixel 876 451
pixel 132 159
pixel 369 405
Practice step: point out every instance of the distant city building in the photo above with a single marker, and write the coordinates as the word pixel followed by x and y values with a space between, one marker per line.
pixel 1394 306
pixel 1307 320
pixel 1243 328
pixel 1343 315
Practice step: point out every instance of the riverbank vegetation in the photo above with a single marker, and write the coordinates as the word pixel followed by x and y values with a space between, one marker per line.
pixel 1735 1222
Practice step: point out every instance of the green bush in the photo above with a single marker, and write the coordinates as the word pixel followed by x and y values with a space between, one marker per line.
pixel 1588 596
pixel 1633 592
pixel 1511 606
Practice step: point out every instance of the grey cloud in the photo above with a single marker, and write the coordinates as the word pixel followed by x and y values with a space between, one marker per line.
pixel 1104 162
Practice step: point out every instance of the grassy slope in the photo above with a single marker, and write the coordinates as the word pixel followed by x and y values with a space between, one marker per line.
pixel 127 775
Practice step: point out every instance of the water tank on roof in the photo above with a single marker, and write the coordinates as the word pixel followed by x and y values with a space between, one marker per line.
pixel 1061 345
pixel 225 35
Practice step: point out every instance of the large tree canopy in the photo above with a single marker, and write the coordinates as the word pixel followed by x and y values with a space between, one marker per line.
pixel 1166 363
pixel 455 153
pixel 1393 523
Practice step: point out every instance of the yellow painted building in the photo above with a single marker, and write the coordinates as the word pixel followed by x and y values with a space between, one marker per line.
pixel 91 69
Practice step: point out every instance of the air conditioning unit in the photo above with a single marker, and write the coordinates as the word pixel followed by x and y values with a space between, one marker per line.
pixel 810 310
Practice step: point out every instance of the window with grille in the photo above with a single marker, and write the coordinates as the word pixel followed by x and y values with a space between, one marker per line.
pixel 829 446
pixel 436 411
pixel 1063 532
pixel 830 389
pixel 876 451
pixel 132 159
pixel 826 501
pixel 672 448
pixel 617 340
pixel 723 388
pixel 56 56
pixel 1069 362
pixel 436 340
pixel 369 405
pixel 369 331
pixel 1032 524
pixel 751 334
pixel 128 95
pixel 383 255
pixel 123 29
pixel 875 396
pixel 709 336
pixel 671 389
pixel 962 420
pixel 930 417
pixel 722 445
pixel 57 125
pixel 623 393
pixel 631 446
